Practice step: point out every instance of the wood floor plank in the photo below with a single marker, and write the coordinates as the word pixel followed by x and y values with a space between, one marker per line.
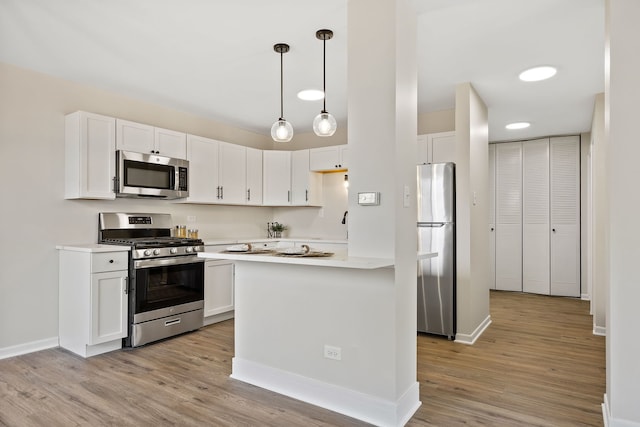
pixel 538 364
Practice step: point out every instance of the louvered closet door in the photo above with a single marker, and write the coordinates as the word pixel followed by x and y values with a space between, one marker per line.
pixel 492 216
pixel 565 216
pixel 535 216
pixel 509 216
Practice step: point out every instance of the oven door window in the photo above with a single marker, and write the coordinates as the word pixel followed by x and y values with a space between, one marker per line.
pixel 170 285
pixel 148 175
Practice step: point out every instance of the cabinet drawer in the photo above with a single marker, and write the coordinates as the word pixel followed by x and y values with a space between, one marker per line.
pixel 109 261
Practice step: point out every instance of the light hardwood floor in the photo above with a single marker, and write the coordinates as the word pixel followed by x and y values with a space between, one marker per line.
pixel 536 365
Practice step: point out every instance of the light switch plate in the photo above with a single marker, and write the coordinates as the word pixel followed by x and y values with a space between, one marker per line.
pixel 369 199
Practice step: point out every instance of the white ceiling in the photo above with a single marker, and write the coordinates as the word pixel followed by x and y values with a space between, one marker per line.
pixel 215 58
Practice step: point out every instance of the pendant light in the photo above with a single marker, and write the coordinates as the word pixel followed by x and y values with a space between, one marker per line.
pixel 281 131
pixel 324 124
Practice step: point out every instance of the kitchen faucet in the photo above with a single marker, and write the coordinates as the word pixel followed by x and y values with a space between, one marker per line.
pixel 344 217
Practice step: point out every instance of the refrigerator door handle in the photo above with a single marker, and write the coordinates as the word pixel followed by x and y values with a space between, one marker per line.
pixel 432 224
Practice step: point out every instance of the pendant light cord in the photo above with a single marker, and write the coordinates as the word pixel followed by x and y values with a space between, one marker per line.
pixel 324 74
pixel 281 90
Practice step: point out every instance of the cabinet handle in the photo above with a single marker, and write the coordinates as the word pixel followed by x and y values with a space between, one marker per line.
pixel 492 228
pixel 306 195
pixel 248 194
pixel 222 192
pixel 126 286
pixel 217 192
pixel 110 261
pixel 288 195
pixel 553 229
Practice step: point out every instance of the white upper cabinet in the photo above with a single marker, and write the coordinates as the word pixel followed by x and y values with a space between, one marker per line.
pixel 141 138
pixel 202 154
pixel 254 176
pixel 90 143
pixel 217 171
pixel 306 186
pixel 325 159
pixel 170 143
pixel 232 173
pixel 437 147
pixel 276 178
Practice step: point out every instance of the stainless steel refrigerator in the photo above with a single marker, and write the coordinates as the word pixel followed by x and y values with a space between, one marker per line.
pixel 437 233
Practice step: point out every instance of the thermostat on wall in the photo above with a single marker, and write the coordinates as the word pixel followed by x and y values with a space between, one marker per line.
pixel 369 199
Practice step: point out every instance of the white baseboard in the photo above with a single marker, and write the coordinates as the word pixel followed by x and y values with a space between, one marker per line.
pixel 609 421
pixel 218 318
pixel 370 409
pixel 585 297
pixel 470 339
pixel 599 330
pixel 29 347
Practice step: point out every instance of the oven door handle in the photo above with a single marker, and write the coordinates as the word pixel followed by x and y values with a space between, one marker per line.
pixel 150 263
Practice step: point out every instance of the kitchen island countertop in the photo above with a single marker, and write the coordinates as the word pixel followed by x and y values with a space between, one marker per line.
pixel 340 259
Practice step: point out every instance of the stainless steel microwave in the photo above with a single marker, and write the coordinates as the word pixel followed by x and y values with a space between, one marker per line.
pixel 150 175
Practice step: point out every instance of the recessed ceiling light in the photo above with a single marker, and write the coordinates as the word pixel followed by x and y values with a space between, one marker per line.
pixel 518 125
pixel 311 94
pixel 538 73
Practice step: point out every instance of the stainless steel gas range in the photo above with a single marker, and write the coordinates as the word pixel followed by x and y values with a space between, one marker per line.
pixel 166 277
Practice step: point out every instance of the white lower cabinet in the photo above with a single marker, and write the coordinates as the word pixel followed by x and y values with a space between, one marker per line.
pixel 93 301
pixel 218 288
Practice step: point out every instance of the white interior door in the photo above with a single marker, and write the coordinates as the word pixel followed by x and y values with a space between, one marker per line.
pixel 509 216
pixel 565 216
pixel 492 216
pixel 535 216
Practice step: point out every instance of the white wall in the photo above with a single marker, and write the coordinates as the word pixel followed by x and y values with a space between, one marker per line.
pixel 622 91
pixel 36 217
pixel 600 242
pixel 472 213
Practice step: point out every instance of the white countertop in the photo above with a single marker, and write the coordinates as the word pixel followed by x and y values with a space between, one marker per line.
pixel 339 259
pixel 233 241
pixel 92 247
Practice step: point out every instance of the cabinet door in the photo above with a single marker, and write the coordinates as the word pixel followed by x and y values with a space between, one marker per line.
pixel 136 137
pixel 232 173
pixel 324 159
pixel 108 306
pixel 443 147
pixel 424 150
pixel 202 154
pixel 218 287
pixel 492 216
pixel 276 178
pixel 90 143
pixel 254 176
pixel 535 216
pixel 344 156
pixel 305 185
pixel 170 143
pixel 565 216
pixel 509 216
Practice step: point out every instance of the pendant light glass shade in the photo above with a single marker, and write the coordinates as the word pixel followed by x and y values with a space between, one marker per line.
pixel 281 131
pixel 324 124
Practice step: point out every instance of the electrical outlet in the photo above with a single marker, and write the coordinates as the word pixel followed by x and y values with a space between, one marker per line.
pixel 191 218
pixel 331 352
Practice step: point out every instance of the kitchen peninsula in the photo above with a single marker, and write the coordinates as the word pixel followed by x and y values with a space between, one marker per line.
pixel 297 331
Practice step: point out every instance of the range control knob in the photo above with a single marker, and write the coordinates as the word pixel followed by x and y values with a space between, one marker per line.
pixel 173 250
pixel 156 251
pixel 147 252
pixel 189 249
